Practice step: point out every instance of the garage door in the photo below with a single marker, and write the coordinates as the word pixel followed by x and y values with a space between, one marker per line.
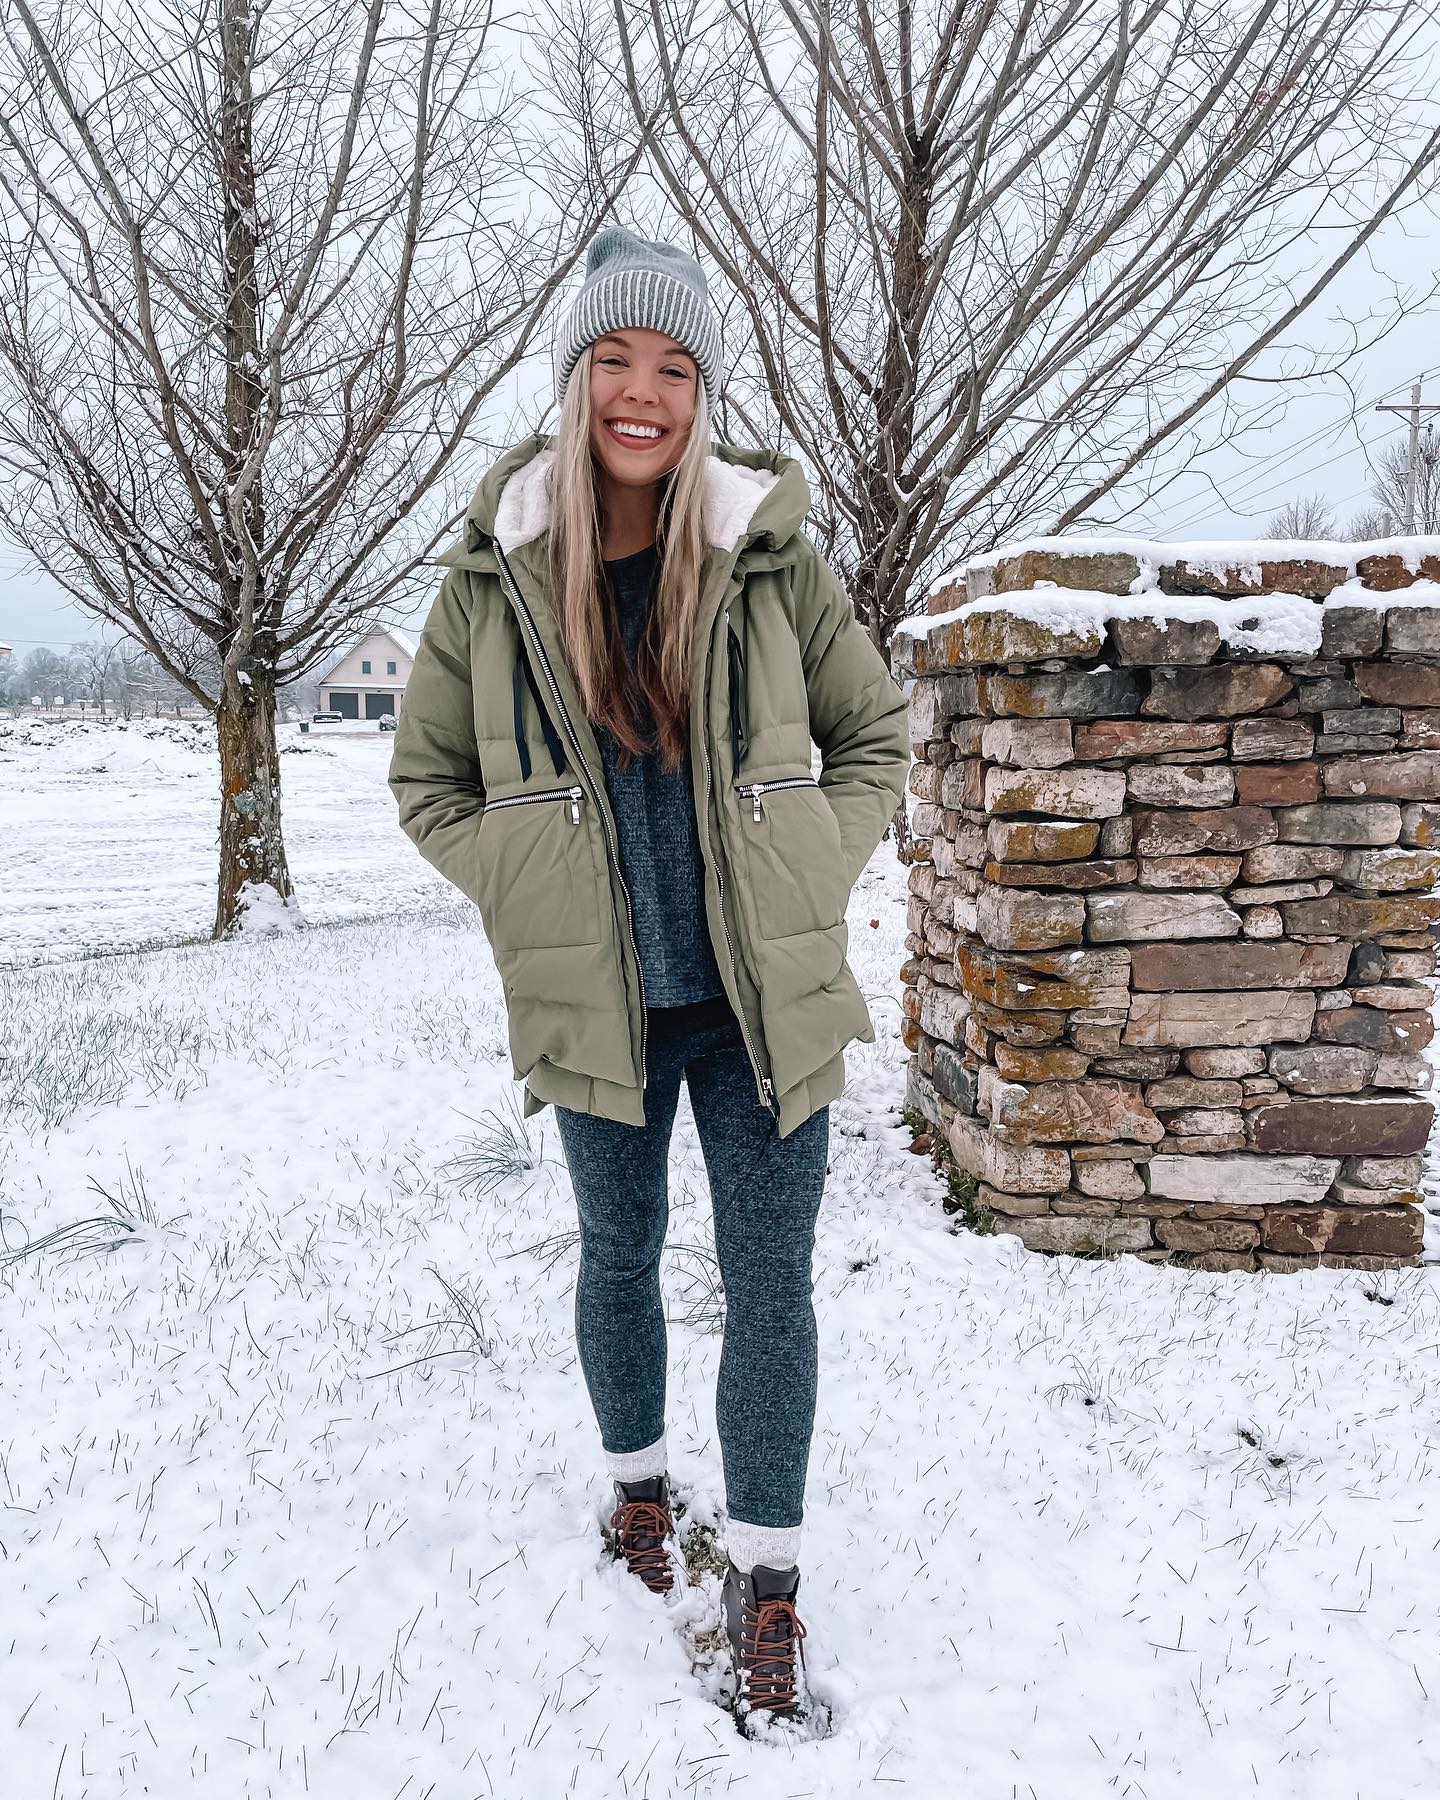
pixel 347 705
pixel 376 704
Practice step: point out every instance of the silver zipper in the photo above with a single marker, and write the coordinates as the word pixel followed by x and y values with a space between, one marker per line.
pixel 573 794
pixel 524 612
pixel 756 788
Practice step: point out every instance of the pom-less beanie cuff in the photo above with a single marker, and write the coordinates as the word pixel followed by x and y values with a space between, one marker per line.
pixel 631 281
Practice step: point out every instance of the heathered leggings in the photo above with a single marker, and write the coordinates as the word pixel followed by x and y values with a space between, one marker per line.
pixel 765 1194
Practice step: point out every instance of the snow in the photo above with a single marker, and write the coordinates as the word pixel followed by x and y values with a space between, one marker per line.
pixel 144 801
pixel 1275 624
pixel 1215 555
pixel 272 1519
pixel 264 911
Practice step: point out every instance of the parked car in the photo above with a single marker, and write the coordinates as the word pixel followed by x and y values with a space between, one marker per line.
pixel 387 721
pixel 330 718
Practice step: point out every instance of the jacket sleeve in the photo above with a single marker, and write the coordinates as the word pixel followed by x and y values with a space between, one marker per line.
pixel 857 713
pixel 435 765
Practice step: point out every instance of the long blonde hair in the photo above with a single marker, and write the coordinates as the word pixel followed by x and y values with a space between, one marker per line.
pixel 588 624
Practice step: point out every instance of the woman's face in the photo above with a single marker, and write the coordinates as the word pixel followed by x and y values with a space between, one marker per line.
pixel 640 378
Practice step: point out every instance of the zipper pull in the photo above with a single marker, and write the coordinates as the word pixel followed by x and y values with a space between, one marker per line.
pixel 755 793
pixel 575 794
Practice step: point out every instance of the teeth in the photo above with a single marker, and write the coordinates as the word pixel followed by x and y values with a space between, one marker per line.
pixel 646 431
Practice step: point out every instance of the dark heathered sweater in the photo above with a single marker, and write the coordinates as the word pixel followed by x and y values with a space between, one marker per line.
pixel 655 819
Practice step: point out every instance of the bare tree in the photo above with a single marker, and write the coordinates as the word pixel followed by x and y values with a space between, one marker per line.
pixel 261 266
pixel 992 258
pixel 1387 490
pixel 94 661
pixel 1308 517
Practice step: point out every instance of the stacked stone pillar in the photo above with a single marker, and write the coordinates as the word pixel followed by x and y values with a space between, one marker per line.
pixel 1171 925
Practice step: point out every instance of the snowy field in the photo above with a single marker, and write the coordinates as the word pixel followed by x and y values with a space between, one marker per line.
pixel 299 1489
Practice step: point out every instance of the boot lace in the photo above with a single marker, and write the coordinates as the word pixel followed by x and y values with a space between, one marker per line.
pixel 770 1635
pixel 641 1527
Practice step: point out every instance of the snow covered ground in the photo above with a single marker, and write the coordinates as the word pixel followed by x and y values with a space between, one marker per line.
pixel 299 1487
pixel 109 832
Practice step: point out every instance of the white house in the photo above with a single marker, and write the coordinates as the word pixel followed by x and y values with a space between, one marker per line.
pixel 369 679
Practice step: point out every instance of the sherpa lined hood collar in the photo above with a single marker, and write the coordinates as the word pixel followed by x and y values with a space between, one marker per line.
pixel 751 496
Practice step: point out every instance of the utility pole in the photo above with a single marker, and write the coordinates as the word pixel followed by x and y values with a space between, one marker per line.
pixel 1412 460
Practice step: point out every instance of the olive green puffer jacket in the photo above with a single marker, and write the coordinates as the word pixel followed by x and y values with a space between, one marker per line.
pixel 500 785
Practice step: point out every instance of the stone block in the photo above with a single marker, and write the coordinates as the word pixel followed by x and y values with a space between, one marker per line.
pixel 1067 694
pixel 1387 570
pixel 1113 918
pixel 1191 1091
pixel 1069 793
pixel 1027 743
pixel 1278 784
pixel 1410 1073
pixel 1184 1021
pixel 1392 1034
pixel 1350 1193
pixel 1323 1069
pixel 1211 1143
pixel 1207 1234
pixel 1271 740
pixel 954 1078
pixel 1095 571
pixel 1262 922
pixel 1196 1122
pixel 1224 1064
pixel 1274 892
pixel 997 636
pixel 1336 743
pixel 1413 630
pixel 1139 1065
pixel 1180 784
pixel 1253 1180
pixel 1163 968
pixel 1164 640
pixel 1325 693
pixel 1214 1262
pixel 1362 721
pixel 1079 1236
pixel 1188 871
pixel 1375 1231
pixel 1342 1127
pixel 1421 732
pixel 1347 822
pixel 962 786
pixel 1015 1169
pixel 1222 691
pixel 966 737
pixel 1398 684
pixel 1080 1112
pixel 1016 1062
pixel 1385 1171
pixel 1420 826
pixel 1351 631
pixel 1278 574
pixel 1040 840
pixel 1180 833
pixel 1019 920
pixel 936 699
pixel 1394 996
pixel 1074 876
pixel 1291 862
pixel 1109 1180
pixel 1011 1205
pixel 1411 775
pixel 1347 915
pixel 1117 836
pixel 1115 738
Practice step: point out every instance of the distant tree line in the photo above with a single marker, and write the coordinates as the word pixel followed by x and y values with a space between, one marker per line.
pixel 116 676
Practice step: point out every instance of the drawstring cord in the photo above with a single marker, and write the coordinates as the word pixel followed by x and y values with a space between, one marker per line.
pixel 521 677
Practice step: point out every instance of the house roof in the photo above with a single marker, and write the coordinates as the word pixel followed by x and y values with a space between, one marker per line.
pixel 4 649
pixel 404 644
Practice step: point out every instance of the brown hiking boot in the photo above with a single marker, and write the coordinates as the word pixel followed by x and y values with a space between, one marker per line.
pixel 640 1531
pixel 766 1640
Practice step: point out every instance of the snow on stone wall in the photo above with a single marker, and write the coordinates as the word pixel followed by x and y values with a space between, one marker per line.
pixel 1171 922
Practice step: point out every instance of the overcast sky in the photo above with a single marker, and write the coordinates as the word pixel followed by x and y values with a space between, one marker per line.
pixel 1320 440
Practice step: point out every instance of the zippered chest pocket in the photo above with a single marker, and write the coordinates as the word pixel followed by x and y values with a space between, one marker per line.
pixel 793 854
pixel 539 880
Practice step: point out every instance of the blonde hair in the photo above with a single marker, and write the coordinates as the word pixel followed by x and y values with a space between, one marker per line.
pixel 589 628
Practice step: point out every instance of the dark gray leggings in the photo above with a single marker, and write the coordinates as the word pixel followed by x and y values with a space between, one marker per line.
pixel 765 1193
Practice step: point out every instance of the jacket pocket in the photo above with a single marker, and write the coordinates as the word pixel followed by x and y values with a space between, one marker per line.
pixel 539 883
pixel 794 855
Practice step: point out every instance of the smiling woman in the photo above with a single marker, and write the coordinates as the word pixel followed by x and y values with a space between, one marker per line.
pixel 607 744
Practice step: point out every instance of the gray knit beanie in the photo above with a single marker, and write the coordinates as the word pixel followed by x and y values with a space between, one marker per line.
pixel 632 281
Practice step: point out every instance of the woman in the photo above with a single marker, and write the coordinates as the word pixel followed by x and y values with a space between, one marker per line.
pixel 606 744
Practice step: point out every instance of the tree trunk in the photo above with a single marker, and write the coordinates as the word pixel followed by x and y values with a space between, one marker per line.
pixel 255 890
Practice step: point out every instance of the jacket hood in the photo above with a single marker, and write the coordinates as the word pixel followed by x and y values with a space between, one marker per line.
pixel 751 497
